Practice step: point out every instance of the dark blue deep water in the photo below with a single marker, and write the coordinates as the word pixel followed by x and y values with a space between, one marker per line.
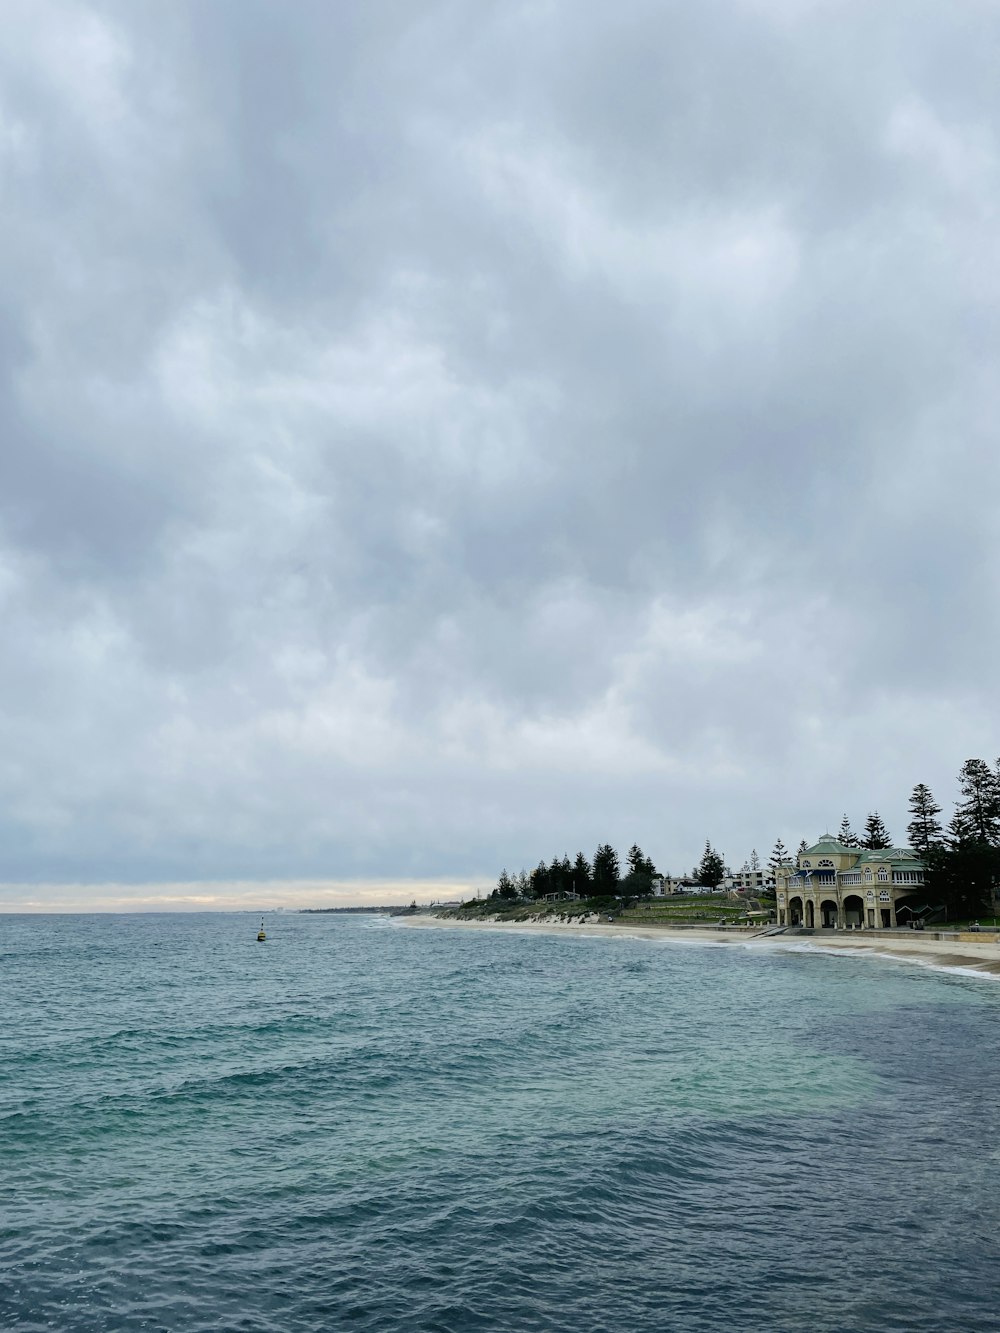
pixel 363 1126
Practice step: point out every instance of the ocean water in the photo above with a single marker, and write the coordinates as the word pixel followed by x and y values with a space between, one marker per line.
pixel 363 1126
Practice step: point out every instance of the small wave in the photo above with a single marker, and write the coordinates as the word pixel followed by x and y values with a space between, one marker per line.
pixel 930 962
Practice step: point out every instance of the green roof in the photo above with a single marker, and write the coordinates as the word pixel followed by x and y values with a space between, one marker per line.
pixel 890 854
pixel 826 844
pixel 829 845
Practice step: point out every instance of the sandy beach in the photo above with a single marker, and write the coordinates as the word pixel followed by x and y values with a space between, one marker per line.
pixel 970 952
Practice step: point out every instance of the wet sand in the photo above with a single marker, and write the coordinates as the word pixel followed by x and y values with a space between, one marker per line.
pixel 964 951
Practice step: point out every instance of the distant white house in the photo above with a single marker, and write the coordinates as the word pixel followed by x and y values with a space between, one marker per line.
pixel 748 881
pixel 665 885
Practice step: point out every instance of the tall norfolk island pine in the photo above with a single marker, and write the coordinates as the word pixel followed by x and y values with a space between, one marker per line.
pixel 876 834
pixel 639 880
pixel 605 873
pixel 779 857
pixel 711 867
pixel 977 814
pixel 846 834
pixel 581 875
pixel 924 829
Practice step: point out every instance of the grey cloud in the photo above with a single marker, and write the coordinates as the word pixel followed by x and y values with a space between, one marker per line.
pixel 433 438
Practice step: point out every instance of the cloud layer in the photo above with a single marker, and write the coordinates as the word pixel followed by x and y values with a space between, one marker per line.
pixel 435 437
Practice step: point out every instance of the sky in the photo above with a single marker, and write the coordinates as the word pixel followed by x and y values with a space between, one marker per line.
pixel 434 437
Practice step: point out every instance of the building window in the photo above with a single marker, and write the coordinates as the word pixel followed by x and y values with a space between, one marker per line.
pixel 884 896
pixel 870 895
pixel 807 863
pixel 868 872
pixel 825 863
pixel 883 874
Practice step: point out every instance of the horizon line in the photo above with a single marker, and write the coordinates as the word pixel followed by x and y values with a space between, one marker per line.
pixel 225 895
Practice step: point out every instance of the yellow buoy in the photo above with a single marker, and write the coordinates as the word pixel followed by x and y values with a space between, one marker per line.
pixel 260 934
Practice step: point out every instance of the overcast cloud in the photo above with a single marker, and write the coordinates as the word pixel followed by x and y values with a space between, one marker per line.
pixel 434 436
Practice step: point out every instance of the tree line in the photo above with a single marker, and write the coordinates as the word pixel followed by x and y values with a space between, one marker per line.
pixel 603 877
pixel 600 878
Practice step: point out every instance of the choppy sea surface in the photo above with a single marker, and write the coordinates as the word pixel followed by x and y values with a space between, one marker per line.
pixel 362 1126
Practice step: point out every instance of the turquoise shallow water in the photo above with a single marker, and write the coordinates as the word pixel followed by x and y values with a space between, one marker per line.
pixel 363 1126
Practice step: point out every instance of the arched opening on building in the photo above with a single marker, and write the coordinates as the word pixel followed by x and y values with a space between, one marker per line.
pixel 854 909
pixel 828 913
pixel 810 914
pixel 795 911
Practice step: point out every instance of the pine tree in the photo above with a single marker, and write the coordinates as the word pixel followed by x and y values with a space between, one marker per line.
pixel 555 876
pixel 506 888
pixel 560 875
pixel 711 867
pixel 641 870
pixel 962 871
pixel 779 857
pixel 606 872
pixel 754 860
pixel 581 875
pixel 540 884
pixel 978 812
pixel 846 834
pixel 924 828
pixel 803 847
pixel 876 835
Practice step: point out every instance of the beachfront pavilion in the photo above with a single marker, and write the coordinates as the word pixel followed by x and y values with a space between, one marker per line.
pixel 835 887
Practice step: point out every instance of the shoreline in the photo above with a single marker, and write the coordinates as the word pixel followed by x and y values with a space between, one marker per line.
pixel 975 957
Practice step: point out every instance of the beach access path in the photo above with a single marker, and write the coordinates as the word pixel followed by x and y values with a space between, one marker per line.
pixel 963 950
